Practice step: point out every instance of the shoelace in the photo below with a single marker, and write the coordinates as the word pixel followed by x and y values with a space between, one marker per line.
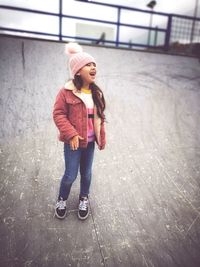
pixel 61 205
pixel 83 204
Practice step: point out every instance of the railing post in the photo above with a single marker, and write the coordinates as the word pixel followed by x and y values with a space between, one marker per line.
pixel 168 33
pixel 156 36
pixel 193 22
pixel 60 20
pixel 149 32
pixel 118 26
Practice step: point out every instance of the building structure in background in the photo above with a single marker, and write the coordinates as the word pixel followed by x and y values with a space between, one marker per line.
pixel 106 24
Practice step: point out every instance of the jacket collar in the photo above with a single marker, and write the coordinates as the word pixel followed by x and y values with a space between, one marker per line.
pixel 70 86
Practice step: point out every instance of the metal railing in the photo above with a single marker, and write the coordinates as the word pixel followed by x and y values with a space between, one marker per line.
pixel 172 32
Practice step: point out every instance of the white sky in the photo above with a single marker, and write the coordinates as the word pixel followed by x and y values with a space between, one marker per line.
pixel 168 6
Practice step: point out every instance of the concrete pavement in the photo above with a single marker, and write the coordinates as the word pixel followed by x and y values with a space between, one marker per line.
pixel 145 195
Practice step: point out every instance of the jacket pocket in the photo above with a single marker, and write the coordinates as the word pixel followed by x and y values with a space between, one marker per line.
pixel 73 101
pixel 74 107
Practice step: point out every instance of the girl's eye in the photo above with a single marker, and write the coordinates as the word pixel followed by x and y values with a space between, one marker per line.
pixel 91 64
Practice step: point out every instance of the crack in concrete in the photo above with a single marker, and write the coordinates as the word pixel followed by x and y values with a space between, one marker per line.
pixel 23 56
pixel 96 233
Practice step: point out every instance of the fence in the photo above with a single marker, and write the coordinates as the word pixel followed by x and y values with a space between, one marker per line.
pixel 123 27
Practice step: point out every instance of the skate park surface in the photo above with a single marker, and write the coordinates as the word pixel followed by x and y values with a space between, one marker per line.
pixel 145 192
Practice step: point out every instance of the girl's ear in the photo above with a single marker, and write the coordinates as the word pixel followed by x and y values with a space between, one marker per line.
pixel 78 74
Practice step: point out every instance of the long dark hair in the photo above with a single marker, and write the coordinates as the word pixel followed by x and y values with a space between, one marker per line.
pixel 97 95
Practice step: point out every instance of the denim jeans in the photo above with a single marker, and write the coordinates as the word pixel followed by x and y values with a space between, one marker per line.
pixel 74 159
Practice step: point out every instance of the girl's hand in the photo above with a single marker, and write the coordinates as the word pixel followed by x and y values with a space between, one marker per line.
pixel 74 142
pixel 101 147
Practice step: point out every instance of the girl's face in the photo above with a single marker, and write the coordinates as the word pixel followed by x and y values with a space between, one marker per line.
pixel 88 74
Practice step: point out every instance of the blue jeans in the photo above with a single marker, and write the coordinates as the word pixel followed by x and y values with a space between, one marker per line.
pixel 83 158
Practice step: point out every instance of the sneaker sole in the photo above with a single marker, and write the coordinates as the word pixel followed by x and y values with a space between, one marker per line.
pixel 83 218
pixel 60 217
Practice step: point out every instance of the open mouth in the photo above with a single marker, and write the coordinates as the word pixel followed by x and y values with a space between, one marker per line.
pixel 92 74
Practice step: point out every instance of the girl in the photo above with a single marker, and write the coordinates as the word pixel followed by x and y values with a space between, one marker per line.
pixel 79 115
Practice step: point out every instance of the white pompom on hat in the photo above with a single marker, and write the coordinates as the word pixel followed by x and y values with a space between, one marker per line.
pixel 77 58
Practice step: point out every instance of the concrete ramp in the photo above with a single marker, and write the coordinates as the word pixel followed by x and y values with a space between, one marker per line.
pixel 145 195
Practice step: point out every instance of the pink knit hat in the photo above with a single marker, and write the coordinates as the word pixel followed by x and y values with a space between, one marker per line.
pixel 77 58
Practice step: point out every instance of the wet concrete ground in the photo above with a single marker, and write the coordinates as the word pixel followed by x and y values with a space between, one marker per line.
pixel 145 193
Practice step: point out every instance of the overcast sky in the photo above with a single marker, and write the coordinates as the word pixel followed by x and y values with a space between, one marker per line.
pixel 169 6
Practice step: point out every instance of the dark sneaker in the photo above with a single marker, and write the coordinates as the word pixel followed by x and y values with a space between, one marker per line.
pixel 61 210
pixel 83 210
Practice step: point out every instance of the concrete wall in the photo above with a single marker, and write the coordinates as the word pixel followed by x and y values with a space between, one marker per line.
pixel 33 71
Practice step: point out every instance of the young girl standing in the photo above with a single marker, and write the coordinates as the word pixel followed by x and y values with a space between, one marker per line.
pixel 79 116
